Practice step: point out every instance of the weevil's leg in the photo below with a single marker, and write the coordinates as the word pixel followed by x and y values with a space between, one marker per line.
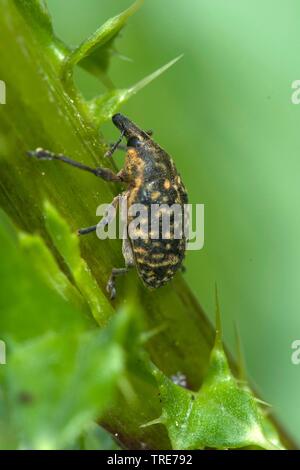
pixel 104 173
pixel 129 263
pixel 103 222
pixel 118 146
pixel 111 285
pixel 85 231
pixel 114 146
pixel 122 147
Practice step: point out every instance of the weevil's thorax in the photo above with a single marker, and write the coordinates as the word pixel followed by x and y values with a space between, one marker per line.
pixel 146 161
pixel 145 158
pixel 134 166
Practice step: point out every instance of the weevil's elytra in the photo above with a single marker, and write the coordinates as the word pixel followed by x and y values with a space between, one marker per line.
pixel 151 178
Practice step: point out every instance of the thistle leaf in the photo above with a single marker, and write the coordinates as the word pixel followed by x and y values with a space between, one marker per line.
pixel 221 415
pixel 37 14
pixel 40 257
pixel 67 243
pixel 94 53
pixel 32 306
pixel 85 363
pixel 52 351
pixel 103 107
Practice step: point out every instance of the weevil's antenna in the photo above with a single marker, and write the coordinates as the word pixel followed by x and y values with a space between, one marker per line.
pixel 112 150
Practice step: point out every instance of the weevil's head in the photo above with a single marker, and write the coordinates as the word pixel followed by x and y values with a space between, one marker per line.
pixel 133 134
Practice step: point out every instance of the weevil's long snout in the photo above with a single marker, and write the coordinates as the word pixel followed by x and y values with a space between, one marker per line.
pixel 128 127
pixel 121 122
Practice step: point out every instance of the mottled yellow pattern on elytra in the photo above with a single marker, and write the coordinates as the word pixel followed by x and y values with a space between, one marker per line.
pixel 134 168
pixel 155 195
pixel 140 250
pixel 167 184
pixel 169 262
pixel 158 255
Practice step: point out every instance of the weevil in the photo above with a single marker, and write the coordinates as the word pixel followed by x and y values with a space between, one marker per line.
pixel 151 178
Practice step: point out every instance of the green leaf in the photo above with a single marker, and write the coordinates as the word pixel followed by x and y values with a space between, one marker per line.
pixel 37 14
pixel 103 107
pixel 60 372
pixel 95 52
pixel 67 243
pixel 30 307
pixel 41 258
pixel 222 414
pixel 78 371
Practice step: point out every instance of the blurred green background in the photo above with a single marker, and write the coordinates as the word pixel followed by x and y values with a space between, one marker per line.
pixel 225 114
